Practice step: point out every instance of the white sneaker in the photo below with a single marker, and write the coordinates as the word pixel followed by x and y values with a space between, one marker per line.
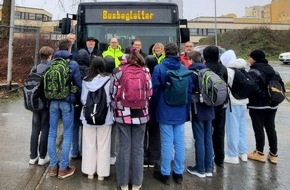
pixel 244 157
pixel 125 187
pixel 33 161
pixel 112 160
pixel 231 160
pixel 44 161
pixel 136 187
pixel 100 178
pixel 208 174
pixel 90 176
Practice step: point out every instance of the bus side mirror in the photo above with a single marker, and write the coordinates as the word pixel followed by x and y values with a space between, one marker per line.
pixel 184 34
pixel 65 25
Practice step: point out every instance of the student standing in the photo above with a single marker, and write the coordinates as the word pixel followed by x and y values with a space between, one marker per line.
pixel 96 138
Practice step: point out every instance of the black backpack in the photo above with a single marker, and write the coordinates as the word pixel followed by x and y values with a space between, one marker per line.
pixel 275 88
pixel 33 93
pixel 96 109
pixel 243 84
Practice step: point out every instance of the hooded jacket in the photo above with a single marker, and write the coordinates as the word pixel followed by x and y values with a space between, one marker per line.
pixel 230 60
pixel 165 114
pixel 115 53
pixel 200 111
pixel 92 86
pixel 74 76
pixel 259 98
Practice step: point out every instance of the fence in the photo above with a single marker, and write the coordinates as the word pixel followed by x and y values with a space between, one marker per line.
pixel 22 51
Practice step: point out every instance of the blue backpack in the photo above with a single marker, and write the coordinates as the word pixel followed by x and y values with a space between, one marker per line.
pixel 176 87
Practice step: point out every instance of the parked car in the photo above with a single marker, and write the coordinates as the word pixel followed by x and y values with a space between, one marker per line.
pixel 200 49
pixel 285 57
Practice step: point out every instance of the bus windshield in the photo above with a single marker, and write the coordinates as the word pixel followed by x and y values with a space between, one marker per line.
pixel 126 34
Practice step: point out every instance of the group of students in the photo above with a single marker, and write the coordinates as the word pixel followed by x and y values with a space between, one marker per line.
pixel 151 134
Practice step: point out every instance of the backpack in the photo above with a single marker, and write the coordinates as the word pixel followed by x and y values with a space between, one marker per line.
pixel 56 79
pixel 134 90
pixel 33 94
pixel 212 88
pixel 243 84
pixel 96 109
pixel 275 88
pixel 176 87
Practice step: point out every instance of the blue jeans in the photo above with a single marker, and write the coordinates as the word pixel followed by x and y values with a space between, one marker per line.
pixel 172 138
pixel 202 133
pixel 129 164
pixel 57 110
pixel 76 141
pixel 236 131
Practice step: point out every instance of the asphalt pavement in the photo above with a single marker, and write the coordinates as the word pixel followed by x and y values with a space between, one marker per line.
pixel 17 174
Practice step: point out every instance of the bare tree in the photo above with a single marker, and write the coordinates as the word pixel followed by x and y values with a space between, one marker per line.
pixel 4 27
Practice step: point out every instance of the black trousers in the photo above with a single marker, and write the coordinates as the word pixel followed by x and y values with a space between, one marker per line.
pixel 152 144
pixel 264 119
pixel 40 123
pixel 218 135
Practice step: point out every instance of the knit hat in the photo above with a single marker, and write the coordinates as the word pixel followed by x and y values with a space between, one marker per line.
pixel 258 55
pixel 211 54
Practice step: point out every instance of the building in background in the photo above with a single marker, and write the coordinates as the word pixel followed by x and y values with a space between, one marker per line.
pixel 276 12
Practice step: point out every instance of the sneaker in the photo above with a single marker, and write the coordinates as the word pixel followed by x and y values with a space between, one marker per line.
pixel 90 176
pixel 160 177
pixel 257 156
pixel 208 174
pixel 33 161
pixel 126 187
pixel 177 178
pixel 136 187
pixel 192 170
pixel 43 161
pixel 53 171
pixel 151 165
pixel 69 171
pixel 272 158
pixel 113 160
pixel 101 178
pixel 231 160
pixel 145 164
pixel 243 157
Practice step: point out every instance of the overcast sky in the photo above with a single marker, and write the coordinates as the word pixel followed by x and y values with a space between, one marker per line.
pixel 191 8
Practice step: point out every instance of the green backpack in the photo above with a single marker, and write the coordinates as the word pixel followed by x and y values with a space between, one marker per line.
pixel 176 89
pixel 56 79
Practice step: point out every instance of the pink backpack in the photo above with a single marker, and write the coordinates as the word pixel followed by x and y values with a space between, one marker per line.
pixel 134 90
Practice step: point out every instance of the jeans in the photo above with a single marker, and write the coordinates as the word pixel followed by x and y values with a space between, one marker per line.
pixel 236 131
pixel 218 135
pixel 130 157
pixel 202 133
pixel 40 123
pixel 57 110
pixel 76 142
pixel 172 138
pixel 264 118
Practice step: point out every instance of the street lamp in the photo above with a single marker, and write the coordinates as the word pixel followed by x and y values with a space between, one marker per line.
pixel 215 30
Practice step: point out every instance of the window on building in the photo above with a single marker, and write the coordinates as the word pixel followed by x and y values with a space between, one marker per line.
pixel 38 17
pixel 211 32
pixel 193 31
pixel 17 15
pixel 31 16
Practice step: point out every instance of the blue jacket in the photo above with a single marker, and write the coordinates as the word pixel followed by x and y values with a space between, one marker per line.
pixel 200 111
pixel 166 114
pixel 75 75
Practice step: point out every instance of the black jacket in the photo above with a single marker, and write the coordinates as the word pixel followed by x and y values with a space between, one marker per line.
pixel 259 98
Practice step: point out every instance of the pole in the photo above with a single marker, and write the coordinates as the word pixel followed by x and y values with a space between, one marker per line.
pixel 10 46
pixel 215 22
pixel 36 46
